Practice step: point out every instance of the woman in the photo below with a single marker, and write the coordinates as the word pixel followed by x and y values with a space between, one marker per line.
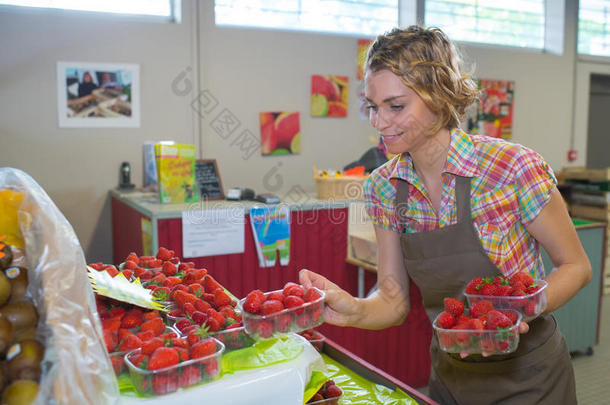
pixel 450 207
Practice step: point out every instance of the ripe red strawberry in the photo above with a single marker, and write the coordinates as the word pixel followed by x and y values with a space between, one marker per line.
pixel 181 298
pixel 473 286
pixel 201 305
pixel 111 270
pixel 265 329
pixel 332 391
pixel 183 354
pixel 163 357
pixel 487 344
pixel 523 277
pixel 502 345
pixel 271 307
pixel 488 289
pixel 165 383
pixel 283 323
pixel 511 315
pixel 532 289
pixel 210 284
pixel 161 293
pixel 139 271
pixel 211 367
pixel 312 295
pixel 195 288
pixel 146 275
pixel 227 311
pixel 193 276
pixel 145 336
pixel 530 308
pixel 189 375
pixel 454 306
pixel 117 312
pixel 497 320
pixel 122 333
pixel 189 309
pixel 169 269
pixel 129 265
pixel 131 321
pixel 504 290
pixel 475 324
pixel 203 348
pixel 276 295
pixel 304 321
pixel 127 274
pixel 178 342
pixel 481 308
pixel 446 339
pixel 171 281
pixel 112 324
pixel 133 258
pixel 130 342
pixel 155 264
pixel 139 360
pixel 253 303
pixel 197 334
pixel 294 289
pixel 500 280
pixel 164 254
pixel 212 313
pixel 292 301
pixel 155 325
pixel 111 339
pixel 149 346
pixel 518 286
pixel 446 320
pixel 183 323
pixel 221 298
pixel 199 317
pixel 185 266
pixel 117 364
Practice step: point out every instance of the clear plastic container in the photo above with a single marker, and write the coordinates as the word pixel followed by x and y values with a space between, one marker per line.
pixel 529 306
pixel 327 401
pixel 316 339
pixel 182 375
pixel 476 341
pixel 234 339
pixel 292 320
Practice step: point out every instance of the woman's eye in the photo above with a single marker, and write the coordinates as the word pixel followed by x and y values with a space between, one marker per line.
pixel 371 107
pixel 396 107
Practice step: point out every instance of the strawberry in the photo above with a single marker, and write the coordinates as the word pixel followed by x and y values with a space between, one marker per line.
pixel 504 290
pixel 481 308
pixel 523 277
pixel 182 297
pixel 201 305
pixel 488 289
pixel 532 289
pixel 203 348
pixel 304 321
pixel 127 274
pixel 283 323
pixel 454 306
pixel 195 289
pixel 155 264
pixel 145 336
pixel 183 354
pixel 293 289
pixel 530 308
pixel 122 333
pixel 174 260
pixel 474 285
pixel 199 317
pixel 502 345
pixel 210 284
pixel 151 345
pixel 487 344
pixel 158 279
pixel 111 339
pixel 189 309
pixel 131 321
pixel 168 335
pixel 196 335
pixel 475 324
pixel 163 357
pixel 112 324
pixel 139 271
pixel 171 281
pixel 131 342
pixel 254 301
pixel 97 266
pixel 271 307
pixel 164 254
pixel 332 391
pixel 178 342
pixel 139 360
pixel 129 265
pixel 211 368
pixel 164 383
pixel 446 320
pixel 221 298
pixel 212 313
pixel 155 325
pixel 227 311
pixel 161 293
pixel 312 295
pixel 169 269
pixel 173 290
pixel 500 280
pixel 185 266
pixel 189 375
pixel 111 270
pixel 276 295
pixel 183 323
pixel 194 276
pixel 292 301
pixel 497 320
pixel 256 294
pixel 265 329
pixel 117 364
pixel 511 315
pixel 518 286
pixel 132 257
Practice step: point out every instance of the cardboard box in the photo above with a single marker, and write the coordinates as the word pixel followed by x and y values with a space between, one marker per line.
pixel 364 247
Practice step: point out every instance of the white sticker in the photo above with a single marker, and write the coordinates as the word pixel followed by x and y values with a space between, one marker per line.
pixel 12 272
pixel 13 351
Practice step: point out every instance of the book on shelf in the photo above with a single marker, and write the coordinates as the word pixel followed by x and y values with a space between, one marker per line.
pixel 176 173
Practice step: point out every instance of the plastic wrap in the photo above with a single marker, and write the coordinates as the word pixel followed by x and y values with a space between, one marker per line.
pixel 75 368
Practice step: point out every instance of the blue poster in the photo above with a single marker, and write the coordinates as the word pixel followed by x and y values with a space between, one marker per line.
pixel 271 229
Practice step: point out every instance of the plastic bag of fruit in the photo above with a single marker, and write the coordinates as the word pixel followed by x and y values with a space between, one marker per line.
pixel 73 367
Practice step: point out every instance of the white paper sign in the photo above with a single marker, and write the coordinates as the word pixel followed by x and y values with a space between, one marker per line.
pixel 212 232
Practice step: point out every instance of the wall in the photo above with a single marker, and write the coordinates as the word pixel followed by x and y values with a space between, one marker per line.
pixel 246 71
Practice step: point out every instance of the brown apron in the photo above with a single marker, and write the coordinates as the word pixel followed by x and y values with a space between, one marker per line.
pixel 441 262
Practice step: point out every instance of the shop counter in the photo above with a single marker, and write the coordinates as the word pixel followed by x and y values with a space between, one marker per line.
pixel 318 242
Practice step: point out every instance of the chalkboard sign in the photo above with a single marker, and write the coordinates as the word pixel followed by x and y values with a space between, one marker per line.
pixel 208 179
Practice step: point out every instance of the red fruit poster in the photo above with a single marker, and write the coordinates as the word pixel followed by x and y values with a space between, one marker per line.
pixel 363 48
pixel 329 96
pixel 495 112
pixel 280 133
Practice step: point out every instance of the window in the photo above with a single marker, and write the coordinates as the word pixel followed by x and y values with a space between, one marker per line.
pixel 357 17
pixel 594 27
pixel 518 23
pixel 158 8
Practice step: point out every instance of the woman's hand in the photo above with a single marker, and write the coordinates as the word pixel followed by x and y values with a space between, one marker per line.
pixel 341 308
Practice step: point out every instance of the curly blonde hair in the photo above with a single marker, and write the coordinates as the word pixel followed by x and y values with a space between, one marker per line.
pixel 428 62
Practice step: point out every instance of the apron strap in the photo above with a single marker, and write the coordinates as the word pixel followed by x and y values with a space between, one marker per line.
pixel 402 196
pixel 462 197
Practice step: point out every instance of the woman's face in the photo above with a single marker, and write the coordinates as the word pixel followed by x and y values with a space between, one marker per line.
pixel 87 78
pixel 396 112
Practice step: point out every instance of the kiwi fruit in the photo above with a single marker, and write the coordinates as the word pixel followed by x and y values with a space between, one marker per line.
pixel 22 334
pixel 21 314
pixel 7 258
pixel 20 392
pixel 23 360
pixel 18 277
pixel 6 334
pixel 5 288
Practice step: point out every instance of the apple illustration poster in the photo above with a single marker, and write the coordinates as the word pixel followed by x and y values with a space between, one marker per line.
pixel 280 133
pixel 329 96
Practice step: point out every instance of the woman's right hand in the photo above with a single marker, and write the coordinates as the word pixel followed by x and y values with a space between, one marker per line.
pixel 341 309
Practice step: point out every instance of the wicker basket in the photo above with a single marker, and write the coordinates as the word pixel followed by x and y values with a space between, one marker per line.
pixel 339 188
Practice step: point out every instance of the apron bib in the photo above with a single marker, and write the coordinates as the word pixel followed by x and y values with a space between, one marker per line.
pixel 441 262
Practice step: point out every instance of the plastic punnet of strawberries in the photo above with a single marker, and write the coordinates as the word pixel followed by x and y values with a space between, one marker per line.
pixel 483 329
pixel 291 309
pixel 328 394
pixel 519 292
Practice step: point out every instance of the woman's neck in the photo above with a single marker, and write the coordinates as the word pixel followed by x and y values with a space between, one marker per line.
pixel 430 157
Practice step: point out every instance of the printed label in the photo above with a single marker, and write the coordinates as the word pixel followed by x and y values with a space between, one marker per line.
pixel 12 272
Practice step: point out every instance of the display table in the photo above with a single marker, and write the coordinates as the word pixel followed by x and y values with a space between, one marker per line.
pixel 318 242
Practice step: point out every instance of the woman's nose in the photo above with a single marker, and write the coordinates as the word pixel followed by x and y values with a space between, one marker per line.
pixel 378 120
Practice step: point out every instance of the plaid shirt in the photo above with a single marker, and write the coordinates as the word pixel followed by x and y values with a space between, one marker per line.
pixel 510 185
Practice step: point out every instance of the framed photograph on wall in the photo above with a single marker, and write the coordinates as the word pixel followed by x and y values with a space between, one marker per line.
pixel 97 95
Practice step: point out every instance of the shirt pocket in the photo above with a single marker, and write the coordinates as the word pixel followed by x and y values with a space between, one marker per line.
pixel 496 215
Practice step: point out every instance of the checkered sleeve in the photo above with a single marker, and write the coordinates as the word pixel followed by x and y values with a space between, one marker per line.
pixel 535 182
pixel 380 195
